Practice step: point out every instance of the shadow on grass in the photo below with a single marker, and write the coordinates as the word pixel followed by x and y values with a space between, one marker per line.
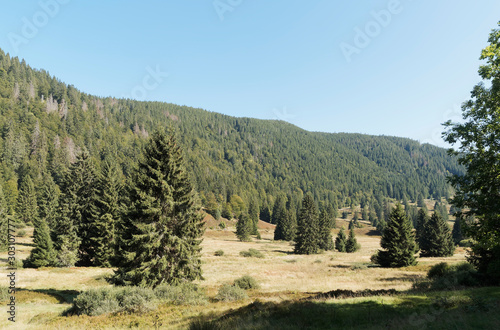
pixel 373 233
pixel 62 296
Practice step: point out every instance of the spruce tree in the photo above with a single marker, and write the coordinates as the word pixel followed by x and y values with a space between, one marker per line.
pixel 165 222
pixel 253 213
pixel 4 219
pixel 27 208
pixel 332 215
pixel 456 232
pixel 307 240
pixel 43 254
pixel 398 242
pixel 325 235
pixel 341 241
pixel 351 244
pixel 244 228
pixel 48 200
pixel 281 217
pixel 422 219
pixel 109 203
pixel 290 226
pixel 279 204
pixel 437 240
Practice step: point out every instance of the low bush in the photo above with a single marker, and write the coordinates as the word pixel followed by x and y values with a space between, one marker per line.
pixel 21 233
pixel 246 282
pixel 182 294
pixel 219 253
pixel 252 253
pixel 446 277
pixel 4 293
pixel 466 242
pixel 230 293
pixel 136 299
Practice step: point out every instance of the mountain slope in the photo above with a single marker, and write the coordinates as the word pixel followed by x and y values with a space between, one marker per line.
pixel 44 122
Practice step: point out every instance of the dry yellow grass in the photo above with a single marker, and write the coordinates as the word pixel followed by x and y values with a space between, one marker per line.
pixel 282 276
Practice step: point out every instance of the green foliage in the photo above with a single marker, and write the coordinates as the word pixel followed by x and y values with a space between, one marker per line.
pixel 398 242
pixel 478 190
pixel 219 253
pixel 436 240
pixel 286 221
pixel 252 253
pixel 230 293
pixel 307 239
pixel 352 244
pixel 21 233
pixel 450 277
pixel 341 241
pixel 27 208
pixel 325 235
pixel 165 222
pixel 182 294
pixel 43 254
pixel 246 282
pixel 422 219
pixel 244 228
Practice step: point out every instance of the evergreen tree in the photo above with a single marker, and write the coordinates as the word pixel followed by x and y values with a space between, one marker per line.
pixel 4 219
pixel 48 200
pixel 436 240
pixel 109 203
pixel 166 221
pixel 290 226
pixel 456 232
pixel 422 219
pixel 279 204
pixel 351 244
pixel 398 242
pixel 244 228
pixel 43 254
pixel 27 208
pixel 332 215
pixel 325 235
pixel 280 215
pixel 307 239
pixel 341 241
pixel 253 213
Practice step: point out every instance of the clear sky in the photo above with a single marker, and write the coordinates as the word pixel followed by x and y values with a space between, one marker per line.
pixel 377 67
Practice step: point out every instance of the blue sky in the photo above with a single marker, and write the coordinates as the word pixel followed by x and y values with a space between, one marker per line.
pixel 406 72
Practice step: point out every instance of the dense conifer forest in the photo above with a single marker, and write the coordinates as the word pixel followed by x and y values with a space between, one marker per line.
pixel 45 123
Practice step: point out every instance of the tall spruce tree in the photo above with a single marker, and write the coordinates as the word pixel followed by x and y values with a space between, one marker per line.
pixel 352 244
pixel 48 200
pixel 341 241
pixel 279 204
pixel 166 221
pixel 280 216
pixel 27 207
pixel 332 215
pixel 253 213
pixel 398 242
pixel 4 219
pixel 109 203
pixel 244 228
pixel 325 235
pixel 436 240
pixel 422 219
pixel 307 240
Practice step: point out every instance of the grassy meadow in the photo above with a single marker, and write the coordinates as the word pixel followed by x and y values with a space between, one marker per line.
pixel 296 291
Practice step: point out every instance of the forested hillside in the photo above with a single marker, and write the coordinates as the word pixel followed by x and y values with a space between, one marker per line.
pixel 45 122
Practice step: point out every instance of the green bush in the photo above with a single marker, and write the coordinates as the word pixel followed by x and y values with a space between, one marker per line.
pixel 246 282
pixel 21 233
pixel 4 293
pixel 446 277
pixel 438 270
pixel 252 253
pixel 230 293
pixel 466 242
pixel 222 225
pixel 182 294
pixel 219 253
pixel 110 300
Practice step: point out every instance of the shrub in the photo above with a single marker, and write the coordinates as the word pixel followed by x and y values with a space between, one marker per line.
pixel 21 233
pixel 466 242
pixel 246 282
pixel 445 277
pixel 438 270
pixel 182 294
pixel 222 225
pixel 110 300
pixel 230 293
pixel 252 253
pixel 219 253
pixel 4 293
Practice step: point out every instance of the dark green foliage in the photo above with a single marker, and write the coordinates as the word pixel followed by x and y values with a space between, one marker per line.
pixel 27 208
pixel 4 219
pixel 109 204
pixel 422 219
pixel 286 226
pixel 219 253
pixel 43 254
pixel 307 239
pixel 48 200
pixel 332 215
pixel 436 240
pixel 325 235
pixel 398 242
pixel 341 241
pixel 456 232
pixel 244 228
pixel 446 277
pixel 165 220
pixel 182 294
pixel 478 149
pixel 352 244
pixel 253 213
pixel 246 282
